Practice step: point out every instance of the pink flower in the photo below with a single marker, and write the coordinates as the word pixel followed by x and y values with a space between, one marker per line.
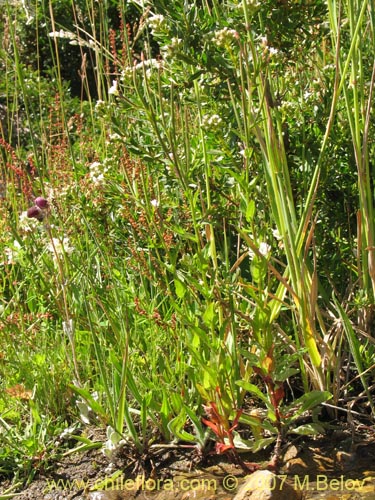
pixel 41 202
pixel 35 213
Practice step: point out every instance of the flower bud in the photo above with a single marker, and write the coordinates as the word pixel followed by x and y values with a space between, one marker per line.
pixel 35 213
pixel 41 202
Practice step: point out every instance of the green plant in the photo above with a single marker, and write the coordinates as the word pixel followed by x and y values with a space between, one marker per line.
pixel 178 258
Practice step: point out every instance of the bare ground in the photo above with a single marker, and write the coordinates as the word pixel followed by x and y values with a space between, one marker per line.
pixel 345 469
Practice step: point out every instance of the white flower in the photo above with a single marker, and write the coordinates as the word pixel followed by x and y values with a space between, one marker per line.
pixel 173 47
pixel 154 203
pixel 97 172
pixel 264 249
pixel 276 234
pixel 267 49
pixel 60 247
pixel 252 5
pixel 156 23
pixel 27 224
pixel 272 51
pixel 225 37
pixel 113 90
pixel 144 66
pixel 100 106
pixel 211 122
pixel 12 253
pixel 115 137
pixel 62 34
pixel 114 441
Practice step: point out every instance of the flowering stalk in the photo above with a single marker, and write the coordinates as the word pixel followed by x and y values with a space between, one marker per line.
pixel 41 211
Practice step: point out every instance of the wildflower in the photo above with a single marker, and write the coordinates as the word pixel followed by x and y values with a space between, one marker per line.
pixel 12 253
pixel 113 90
pixel 267 49
pixel 41 202
pixel 35 212
pixel 100 106
pixel 154 203
pixel 62 34
pixel 157 23
pixel 174 47
pixel 264 250
pixel 225 37
pixel 211 122
pixel 276 234
pixel 97 172
pixel 26 223
pixel 252 6
pixel 113 443
pixel 144 66
pixel 60 247
pixel 115 137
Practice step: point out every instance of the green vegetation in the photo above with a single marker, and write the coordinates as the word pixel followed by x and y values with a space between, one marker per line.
pixel 187 242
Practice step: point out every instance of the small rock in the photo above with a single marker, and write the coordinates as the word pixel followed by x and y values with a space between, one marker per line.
pixel 264 485
pixel 106 495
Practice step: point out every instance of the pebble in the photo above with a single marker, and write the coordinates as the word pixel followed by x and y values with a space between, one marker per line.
pixel 264 485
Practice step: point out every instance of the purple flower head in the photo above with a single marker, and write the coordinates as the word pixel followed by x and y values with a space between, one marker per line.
pixel 35 213
pixel 41 202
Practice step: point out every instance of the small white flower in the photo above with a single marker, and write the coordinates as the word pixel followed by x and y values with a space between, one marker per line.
pixel 99 105
pixel 12 253
pixel 115 137
pixel 173 47
pixel 211 122
pixel 60 247
pixel 225 37
pixel 252 5
pixel 114 441
pixel 156 23
pixel 62 34
pixel 264 249
pixel 97 172
pixel 27 224
pixel 113 90
pixel 272 51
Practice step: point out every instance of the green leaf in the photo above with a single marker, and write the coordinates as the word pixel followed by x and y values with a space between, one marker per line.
pixel 306 402
pixel 250 211
pixel 94 405
pixel 209 313
pixel 308 430
pixel 253 389
pixel 200 431
pixel 176 427
pixel 180 288
pixel 354 349
pixel 260 444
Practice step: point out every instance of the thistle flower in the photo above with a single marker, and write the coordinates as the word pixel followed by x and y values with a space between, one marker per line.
pixel 35 212
pixel 41 202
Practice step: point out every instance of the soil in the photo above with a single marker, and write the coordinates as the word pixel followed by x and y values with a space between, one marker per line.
pixel 338 466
